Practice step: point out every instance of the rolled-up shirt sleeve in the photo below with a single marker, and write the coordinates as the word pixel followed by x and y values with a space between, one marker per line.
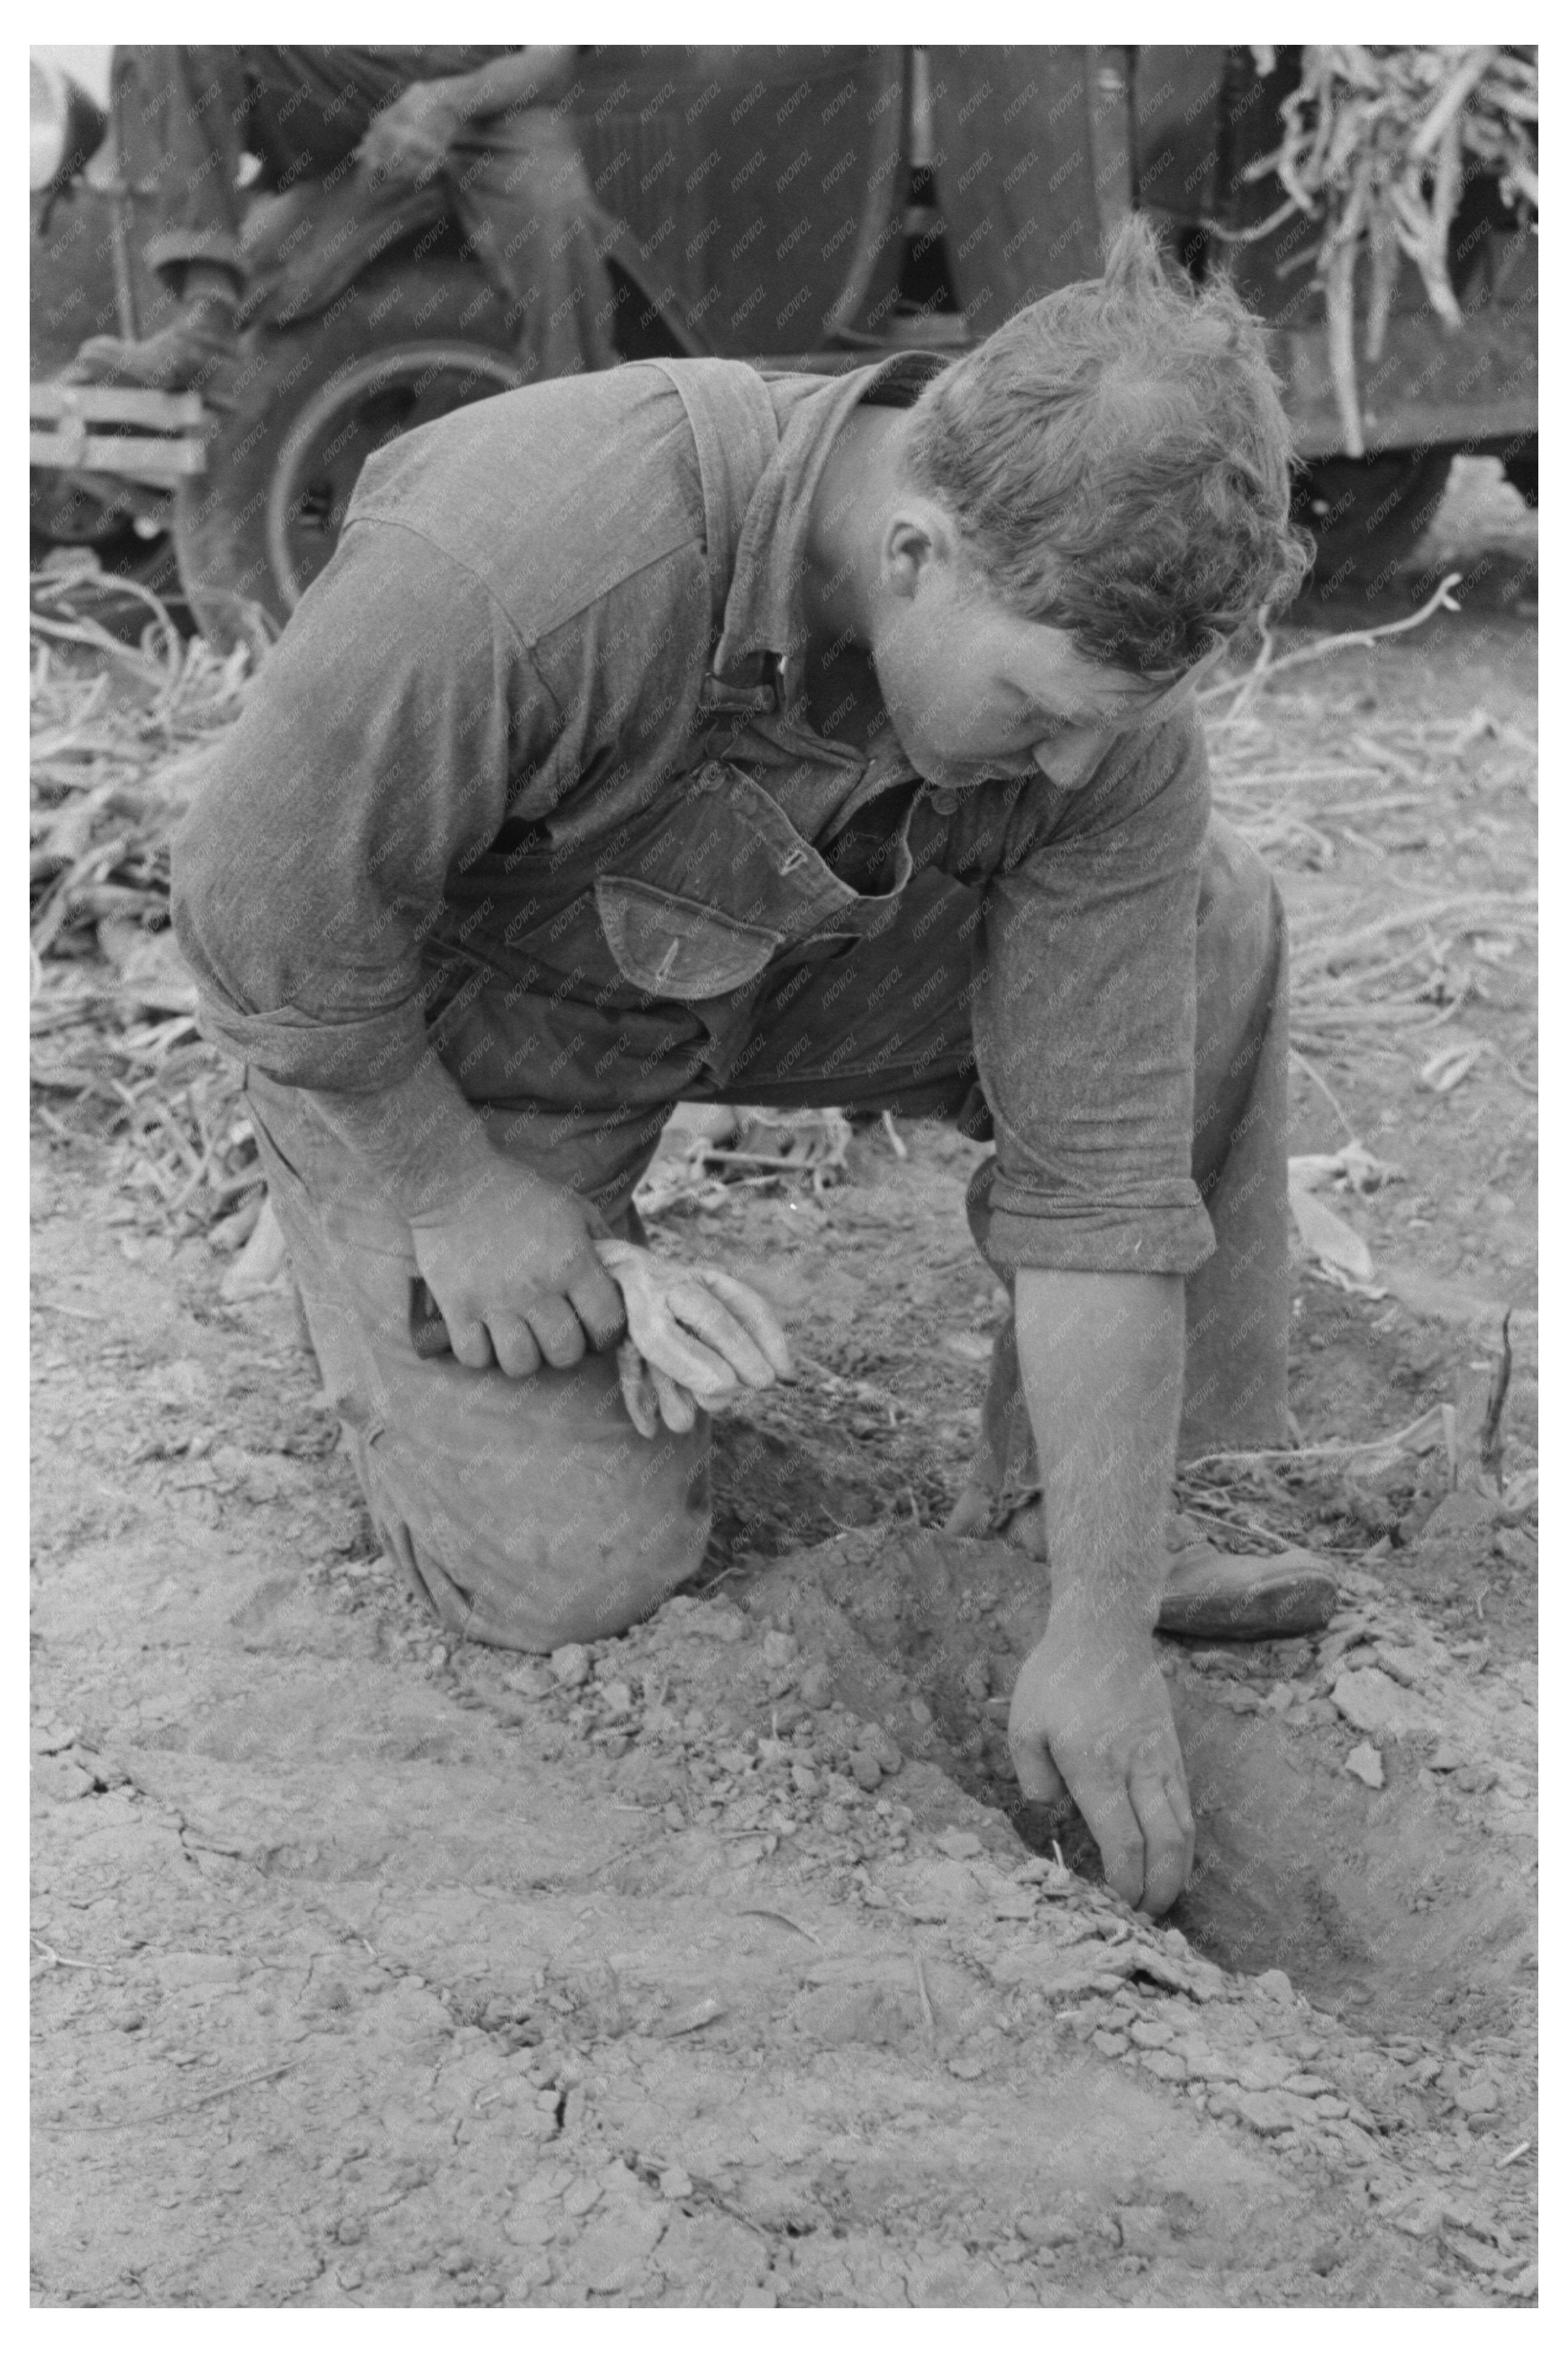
pixel 1085 1021
pixel 377 749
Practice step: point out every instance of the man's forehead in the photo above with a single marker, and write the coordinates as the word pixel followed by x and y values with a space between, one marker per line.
pixel 1043 661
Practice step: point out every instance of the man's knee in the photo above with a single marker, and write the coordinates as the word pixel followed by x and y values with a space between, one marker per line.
pixel 521 1602
pixel 578 1547
pixel 1236 887
pixel 1241 932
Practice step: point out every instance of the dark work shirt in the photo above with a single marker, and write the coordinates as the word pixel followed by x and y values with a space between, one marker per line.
pixel 533 747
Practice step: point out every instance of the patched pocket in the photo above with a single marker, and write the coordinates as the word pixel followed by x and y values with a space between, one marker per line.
pixel 677 947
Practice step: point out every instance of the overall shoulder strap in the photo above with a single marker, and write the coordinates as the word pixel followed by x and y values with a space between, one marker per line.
pixel 732 422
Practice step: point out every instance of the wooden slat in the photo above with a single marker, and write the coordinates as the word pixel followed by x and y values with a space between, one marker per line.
pixel 143 458
pixel 105 403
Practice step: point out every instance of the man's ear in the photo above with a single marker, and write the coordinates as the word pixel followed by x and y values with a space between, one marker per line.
pixel 919 538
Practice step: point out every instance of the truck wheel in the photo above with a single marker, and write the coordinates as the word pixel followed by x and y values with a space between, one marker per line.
pixel 311 403
pixel 1367 514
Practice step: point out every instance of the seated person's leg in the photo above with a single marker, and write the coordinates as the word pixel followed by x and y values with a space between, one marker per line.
pixel 177 115
pixel 526 1512
pixel 184 117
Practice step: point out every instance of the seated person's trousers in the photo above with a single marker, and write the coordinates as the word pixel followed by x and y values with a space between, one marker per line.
pixel 186 117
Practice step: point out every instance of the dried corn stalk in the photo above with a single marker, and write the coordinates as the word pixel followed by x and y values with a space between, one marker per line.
pixel 1377 145
pixel 1380 977
pixel 121 736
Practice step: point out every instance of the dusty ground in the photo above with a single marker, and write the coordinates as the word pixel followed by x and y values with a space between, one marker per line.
pixel 718 1965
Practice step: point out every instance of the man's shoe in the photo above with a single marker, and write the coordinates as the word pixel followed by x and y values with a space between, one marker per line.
pixel 1227 1597
pixel 190 354
pixel 1210 1596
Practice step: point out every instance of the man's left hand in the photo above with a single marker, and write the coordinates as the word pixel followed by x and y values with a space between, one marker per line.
pixel 1091 1716
pixel 411 137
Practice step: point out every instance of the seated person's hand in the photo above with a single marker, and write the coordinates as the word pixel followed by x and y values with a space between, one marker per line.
pixel 412 137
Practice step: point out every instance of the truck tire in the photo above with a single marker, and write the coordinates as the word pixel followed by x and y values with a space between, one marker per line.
pixel 1367 514
pixel 309 404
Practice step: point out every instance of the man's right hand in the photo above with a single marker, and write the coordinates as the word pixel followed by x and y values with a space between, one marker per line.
pixel 513 1271
pixel 1091 1710
pixel 412 136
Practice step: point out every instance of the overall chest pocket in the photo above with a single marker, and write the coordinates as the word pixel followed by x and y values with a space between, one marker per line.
pixel 689 905
pixel 675 947
pixel 710 897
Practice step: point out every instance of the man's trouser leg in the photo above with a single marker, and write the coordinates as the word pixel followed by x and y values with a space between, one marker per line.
pixel 1238 1305
pixel 526 1512
pixel 180 118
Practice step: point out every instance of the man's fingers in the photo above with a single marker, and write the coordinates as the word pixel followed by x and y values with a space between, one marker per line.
pixel 558 1333
pixel 1038 1780
pixel 470 1343
pixel 1167 1844
pixel 751 1310
pixel 516 1350
pixel 400 146
pixel 599 1306
pixel 1105 1805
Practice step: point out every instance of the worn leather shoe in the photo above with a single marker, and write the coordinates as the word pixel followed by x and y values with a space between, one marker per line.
pixel 1210 1596
pixel 190 354
pixel 1227 1597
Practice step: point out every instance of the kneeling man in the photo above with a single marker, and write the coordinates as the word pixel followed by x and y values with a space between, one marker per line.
pixel 670 733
